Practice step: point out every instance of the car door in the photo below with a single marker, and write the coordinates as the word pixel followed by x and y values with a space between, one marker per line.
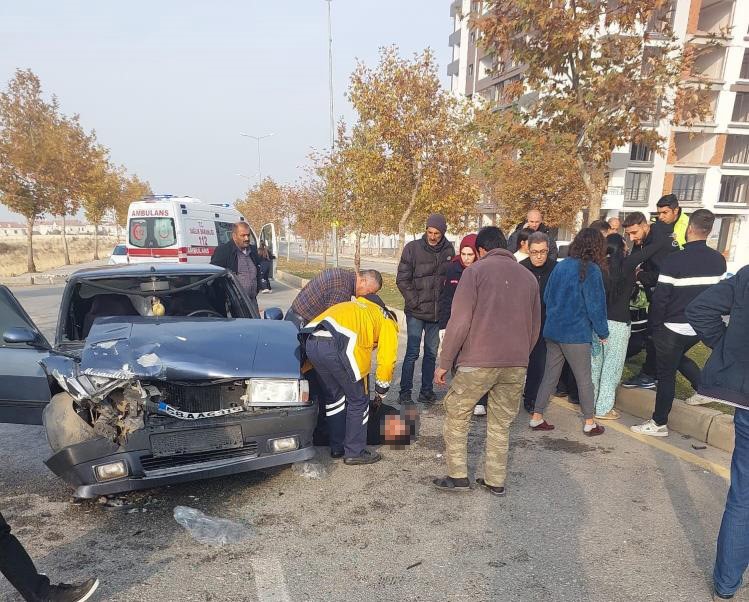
pixel 24 390
pixel 268 236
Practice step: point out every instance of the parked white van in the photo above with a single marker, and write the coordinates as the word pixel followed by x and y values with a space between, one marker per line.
pixel 182 229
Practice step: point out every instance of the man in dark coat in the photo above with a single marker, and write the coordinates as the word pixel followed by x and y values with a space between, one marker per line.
pixel 724 379
pixel 540 265
pixel 240 257
pixel 420 276
pixel 534 220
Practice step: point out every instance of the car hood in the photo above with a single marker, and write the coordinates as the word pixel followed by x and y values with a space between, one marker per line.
pixel 191 348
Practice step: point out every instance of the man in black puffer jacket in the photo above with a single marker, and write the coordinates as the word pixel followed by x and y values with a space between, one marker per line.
pixel 420 275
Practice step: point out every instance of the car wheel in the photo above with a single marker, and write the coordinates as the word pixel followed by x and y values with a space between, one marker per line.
pixel 63 425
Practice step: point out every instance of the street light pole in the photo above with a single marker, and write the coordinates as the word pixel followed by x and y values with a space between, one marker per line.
pixel 332 120
pixel 259 163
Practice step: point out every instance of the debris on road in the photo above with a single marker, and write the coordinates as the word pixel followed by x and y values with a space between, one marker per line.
pixel 311 470
pixel 413 566
pixel 211 530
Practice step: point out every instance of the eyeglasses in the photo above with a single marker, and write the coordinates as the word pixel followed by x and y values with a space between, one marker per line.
pixel 539 253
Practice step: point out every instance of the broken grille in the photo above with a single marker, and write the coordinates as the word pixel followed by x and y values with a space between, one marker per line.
pixel 152 464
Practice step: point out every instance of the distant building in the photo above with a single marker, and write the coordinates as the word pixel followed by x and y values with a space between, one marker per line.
pixel 705 166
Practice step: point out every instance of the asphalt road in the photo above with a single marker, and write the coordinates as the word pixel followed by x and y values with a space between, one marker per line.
pixel 611 518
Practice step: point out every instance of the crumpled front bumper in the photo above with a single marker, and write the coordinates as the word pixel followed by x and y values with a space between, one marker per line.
pixel 75 464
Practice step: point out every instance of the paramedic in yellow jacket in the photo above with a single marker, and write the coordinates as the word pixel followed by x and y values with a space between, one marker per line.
pixel 339 344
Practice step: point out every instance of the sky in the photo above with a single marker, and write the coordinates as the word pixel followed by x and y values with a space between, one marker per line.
pixel 169 85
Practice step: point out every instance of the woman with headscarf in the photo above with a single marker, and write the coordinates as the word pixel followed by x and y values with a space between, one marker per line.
pixel 467 254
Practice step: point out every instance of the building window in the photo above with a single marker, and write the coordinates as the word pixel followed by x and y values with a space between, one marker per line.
pixel 688 187
pixel 737 149
pixel 640 152
pixel 734 189
pixel 473 37
pixel 721 238
pixel 745 65
pixel 741 107
pixel 470 70
pixel 636 188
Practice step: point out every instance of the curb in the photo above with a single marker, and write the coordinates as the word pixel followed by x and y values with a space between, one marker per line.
pixel 299 282
pixel 31 279
pixel 703 424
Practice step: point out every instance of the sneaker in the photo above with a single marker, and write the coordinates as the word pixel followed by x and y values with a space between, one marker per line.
pixel 595 431
pixel 429 397
pixel 641 381
pixel 650 428
pixel 717 597
pixel 479 410
pixel 560 393
pixel 265 291
pixel 697 400
pixel 335 454
pixel 366 457
pixel 77 592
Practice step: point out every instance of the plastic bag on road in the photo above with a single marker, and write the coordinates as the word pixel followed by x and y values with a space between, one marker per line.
pixel 209 529
pixel 311 470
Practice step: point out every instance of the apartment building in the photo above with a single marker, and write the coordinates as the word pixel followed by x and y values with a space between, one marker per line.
pixel 706 165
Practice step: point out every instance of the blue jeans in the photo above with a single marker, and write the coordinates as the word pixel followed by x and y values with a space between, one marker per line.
pixel 732 555
pixel 414 329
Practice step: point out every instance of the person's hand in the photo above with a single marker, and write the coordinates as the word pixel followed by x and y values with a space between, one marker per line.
pixel 439 376
pixel 604 341
pixel 376 403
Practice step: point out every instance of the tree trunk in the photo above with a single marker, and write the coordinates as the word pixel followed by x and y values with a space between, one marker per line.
pixel 30 265
pixel 403 222
pixel 306 252
pixel 325 251
pixel 96 241
pixel 595 194
pixel 66 251
pixel 357 252
pixel 288 244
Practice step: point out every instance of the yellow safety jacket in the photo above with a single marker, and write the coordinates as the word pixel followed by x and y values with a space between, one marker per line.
pixel 680 229
pixel 358 327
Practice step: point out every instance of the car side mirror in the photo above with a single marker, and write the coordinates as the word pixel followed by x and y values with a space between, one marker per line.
pixel 273 313
pixel 21 334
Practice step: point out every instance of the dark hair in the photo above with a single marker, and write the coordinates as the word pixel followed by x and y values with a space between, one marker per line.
pixel 524 235
pixel 240 226
pixel 634 219
pixel 668 200
pixel 702 221
pixel 490 238
pixel 614 280
pixel 601 225
pixel 538 238
pixel 589 245
pixel 373 275
pixel 615 245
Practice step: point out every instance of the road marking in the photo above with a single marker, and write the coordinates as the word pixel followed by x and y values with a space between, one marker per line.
pixel 717 469
pixel 269 580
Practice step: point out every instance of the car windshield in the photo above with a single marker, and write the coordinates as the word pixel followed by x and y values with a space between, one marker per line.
pixel 152 232
pixel 120 250
pixel 198 295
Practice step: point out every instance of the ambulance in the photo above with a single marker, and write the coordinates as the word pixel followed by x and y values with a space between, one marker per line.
pixel 168 228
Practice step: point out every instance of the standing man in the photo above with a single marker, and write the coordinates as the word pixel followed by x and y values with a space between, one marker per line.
pixel 540 266
pixel 724 380
pixel 653 243
pixel 19 569
pixel 615 224
pixel 330 287
pixel 671 214
pixel 421 272
pixel 240 257
pixel 497 299
pixel 534 220
pixel 339 344
pixel 682 278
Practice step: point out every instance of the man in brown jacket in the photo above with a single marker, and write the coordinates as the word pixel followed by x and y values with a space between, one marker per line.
pixel 494 324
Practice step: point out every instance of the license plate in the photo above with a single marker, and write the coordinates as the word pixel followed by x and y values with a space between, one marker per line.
pixel 165 408
pixel 196 440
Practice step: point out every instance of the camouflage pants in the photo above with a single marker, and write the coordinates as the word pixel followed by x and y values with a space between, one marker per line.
pixel 505 388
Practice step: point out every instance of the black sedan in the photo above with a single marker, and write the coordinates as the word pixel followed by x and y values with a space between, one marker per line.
pixel 159 374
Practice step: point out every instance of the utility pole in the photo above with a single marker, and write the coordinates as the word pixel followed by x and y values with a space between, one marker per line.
pixel 259 163
pixel 332 122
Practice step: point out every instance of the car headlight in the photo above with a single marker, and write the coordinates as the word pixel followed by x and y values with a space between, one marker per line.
pixel 276 392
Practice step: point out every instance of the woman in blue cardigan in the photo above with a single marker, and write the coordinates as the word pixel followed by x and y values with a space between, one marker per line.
pixel 575 308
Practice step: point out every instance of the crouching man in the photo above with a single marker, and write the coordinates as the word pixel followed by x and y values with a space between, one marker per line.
pixel 496 300
pixel 339 344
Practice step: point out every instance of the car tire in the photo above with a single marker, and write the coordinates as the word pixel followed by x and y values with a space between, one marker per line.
pixel 62 425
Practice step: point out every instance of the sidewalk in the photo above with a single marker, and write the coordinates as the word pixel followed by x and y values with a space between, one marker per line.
pixel 53 276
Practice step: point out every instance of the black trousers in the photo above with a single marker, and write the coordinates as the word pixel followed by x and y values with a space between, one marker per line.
pixel 535 374
pixel 18 568
pixel 670 350
pixel 345 403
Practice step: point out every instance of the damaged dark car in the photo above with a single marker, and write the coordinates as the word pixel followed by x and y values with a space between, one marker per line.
pixel 159 374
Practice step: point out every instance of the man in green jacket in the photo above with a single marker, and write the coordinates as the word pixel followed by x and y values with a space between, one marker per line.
pixel 670 213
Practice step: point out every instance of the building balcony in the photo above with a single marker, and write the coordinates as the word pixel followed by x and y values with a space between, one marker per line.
pixel 456 7
pixel 454 39
pixel 453 68
pixel 613 198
